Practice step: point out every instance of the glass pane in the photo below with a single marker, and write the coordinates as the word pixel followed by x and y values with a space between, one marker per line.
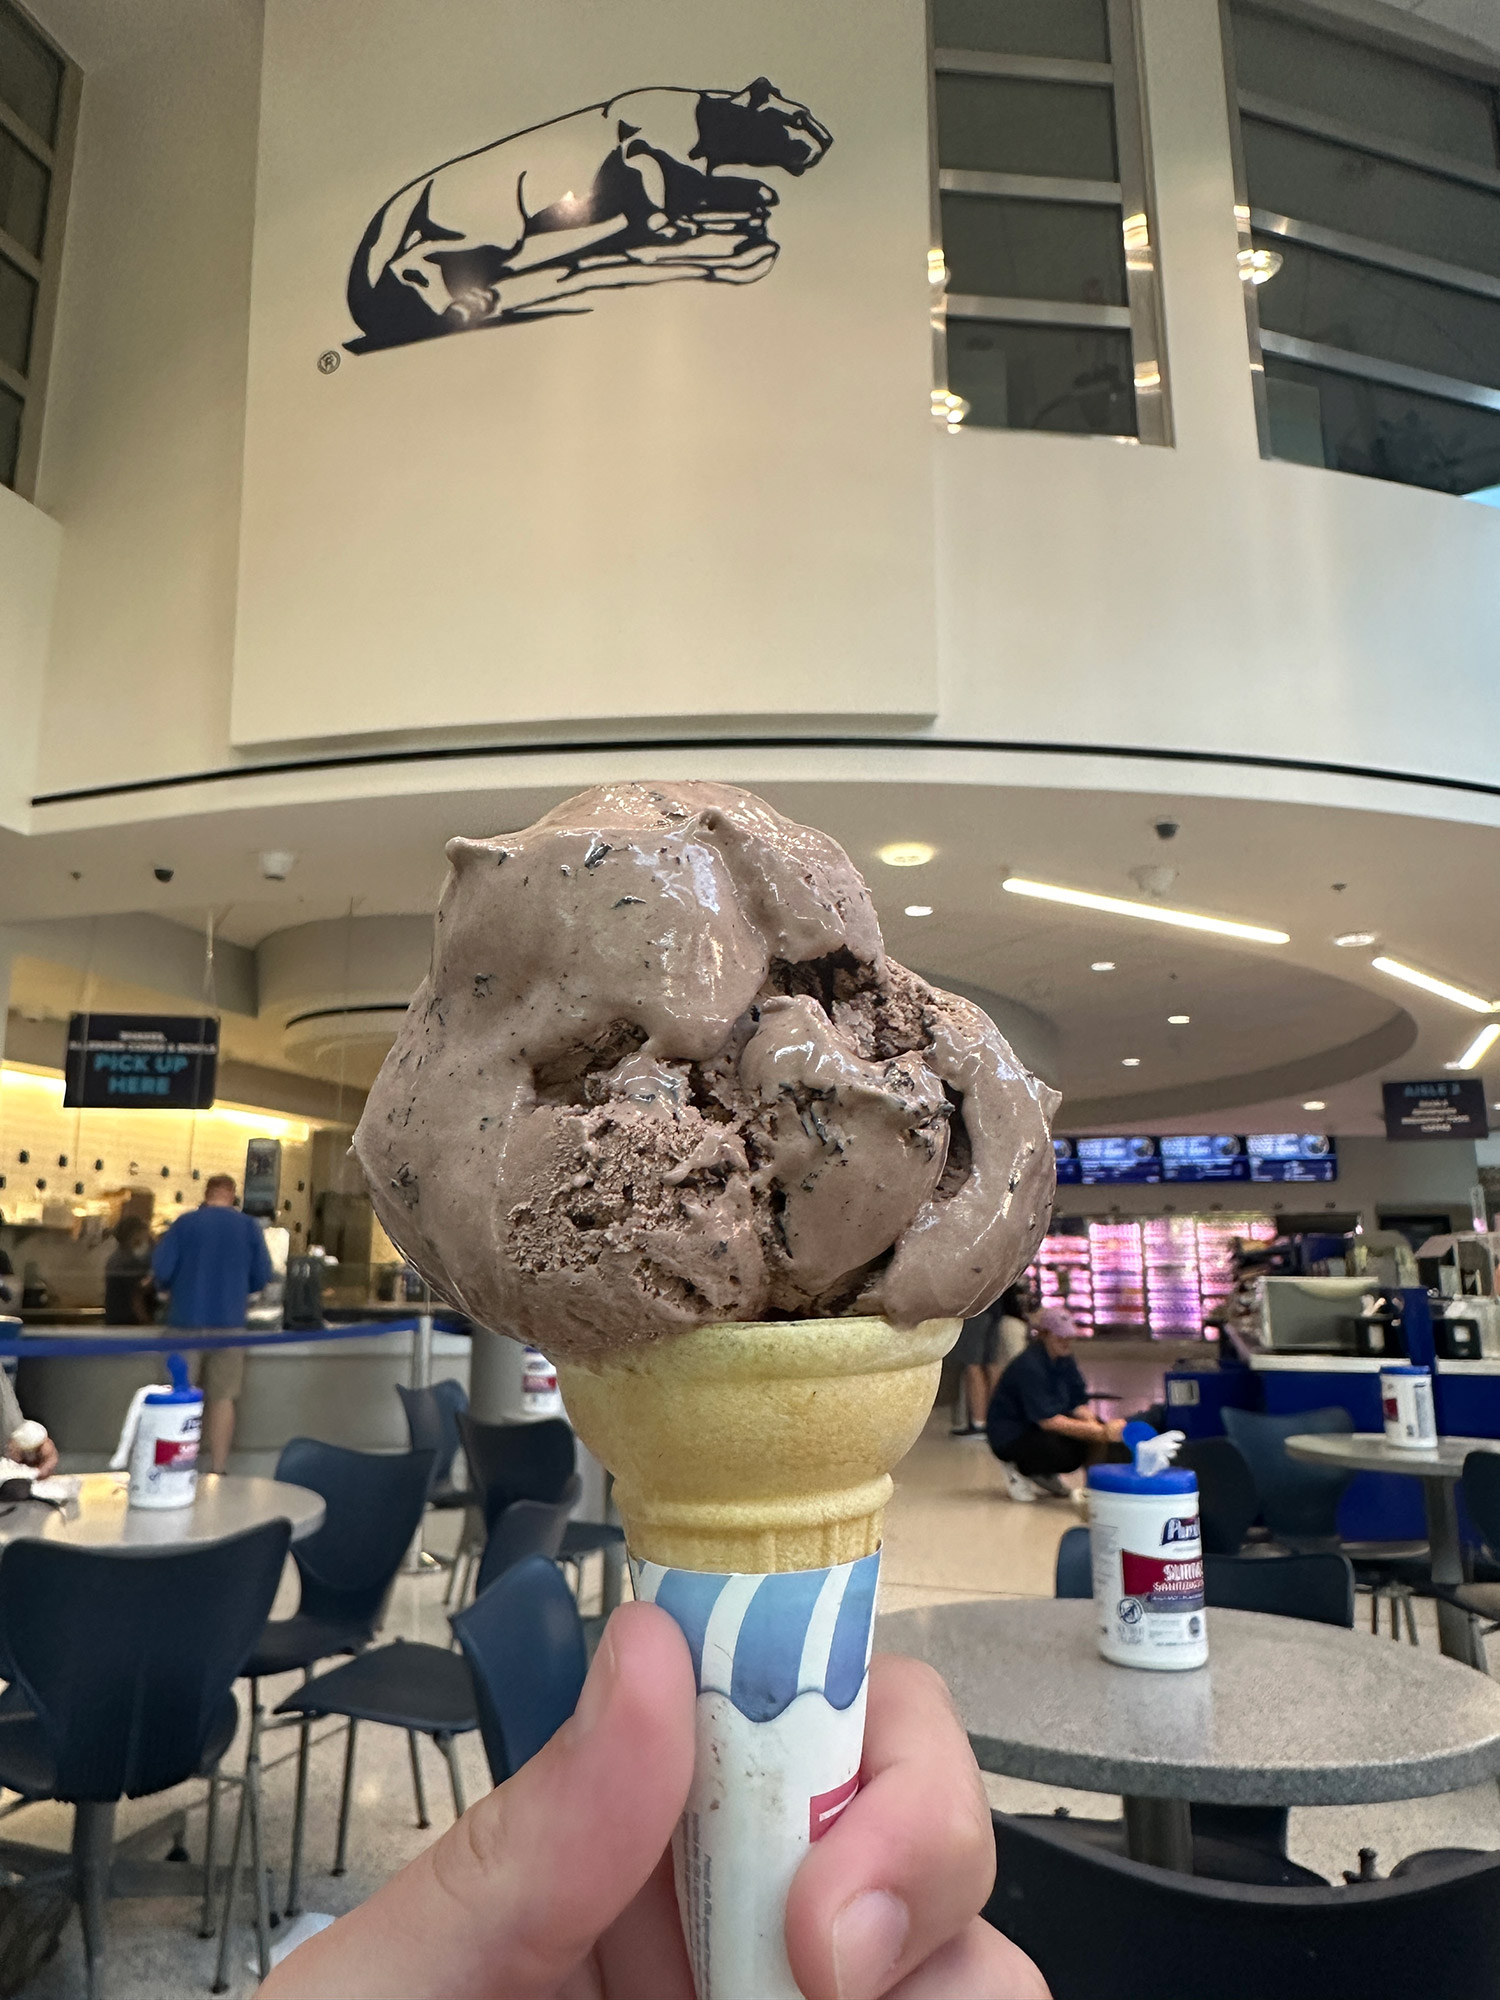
pixel 30 75
pixel 1077 29
pixel 1383 93
pixel 17 303
pixel 1004 249
pixel 1317 181
pixel 1382 433
pixel 1378 312
pixel 10 435
pixel 23 195
pixel 1001 125
pixel 1042 378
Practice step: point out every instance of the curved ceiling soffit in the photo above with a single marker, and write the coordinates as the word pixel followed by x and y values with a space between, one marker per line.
pixel 1349 1060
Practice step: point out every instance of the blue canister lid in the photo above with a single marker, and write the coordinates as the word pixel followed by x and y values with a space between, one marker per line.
pixel 181 1390
pixel 1401 1368
pixel 1125 1479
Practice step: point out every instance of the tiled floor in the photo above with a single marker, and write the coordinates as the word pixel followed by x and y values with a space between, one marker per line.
pixel 951 1533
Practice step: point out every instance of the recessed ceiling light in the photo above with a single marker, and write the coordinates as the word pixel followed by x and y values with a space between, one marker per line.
pixel 1178 1020
pixel 1356 940
pixel 906 854
pixel 1479 1048
pixel 1156 913
pixel 1315 1104
pixel 919 909
pixel 1130 1062
pixel 1459 995
pixel 1102 965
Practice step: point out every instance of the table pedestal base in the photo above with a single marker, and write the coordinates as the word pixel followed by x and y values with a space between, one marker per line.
pixel 1458 1630
pixel 1160 1831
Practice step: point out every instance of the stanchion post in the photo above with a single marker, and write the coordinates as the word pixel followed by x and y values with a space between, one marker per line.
pixel 421 1345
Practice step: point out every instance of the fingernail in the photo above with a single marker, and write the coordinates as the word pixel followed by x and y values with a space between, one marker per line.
pixel 598 1688
pixel 868 1934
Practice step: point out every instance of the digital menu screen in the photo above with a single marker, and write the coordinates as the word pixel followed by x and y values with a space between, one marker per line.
pixel 1204 1156
pixel 1292 1156
pixel 1069 1172
pixel 1114 1161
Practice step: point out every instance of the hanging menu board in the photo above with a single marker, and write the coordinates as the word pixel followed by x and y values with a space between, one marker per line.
pixel 1204 1156
pixel 1292 1156
pixel 142 1062
pixel 1119 1160
pixel 1447 1108
pixel 1069 1172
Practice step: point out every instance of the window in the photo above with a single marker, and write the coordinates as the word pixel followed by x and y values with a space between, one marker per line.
pixel 1369 191
pixel 1051 318
pixel 38 113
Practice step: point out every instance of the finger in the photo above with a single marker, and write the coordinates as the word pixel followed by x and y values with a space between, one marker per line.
pixel 911 1859
pixel 979 1964
pixel 642 1956
pixel 514 1897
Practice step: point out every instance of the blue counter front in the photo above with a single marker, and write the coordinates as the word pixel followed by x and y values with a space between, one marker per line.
pixel 1379 1506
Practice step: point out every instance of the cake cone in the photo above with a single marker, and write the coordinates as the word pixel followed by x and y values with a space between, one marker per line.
pixel 758 1446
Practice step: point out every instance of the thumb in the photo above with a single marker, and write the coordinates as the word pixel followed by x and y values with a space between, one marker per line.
pixel 513 1897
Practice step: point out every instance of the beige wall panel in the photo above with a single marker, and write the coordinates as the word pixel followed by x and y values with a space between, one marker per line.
pixel 693 498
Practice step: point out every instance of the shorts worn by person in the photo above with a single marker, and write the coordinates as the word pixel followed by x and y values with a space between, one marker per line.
pixel 210 1261
pixel 1040 1424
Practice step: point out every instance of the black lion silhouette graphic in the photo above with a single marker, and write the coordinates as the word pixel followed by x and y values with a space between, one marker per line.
pixel 630 192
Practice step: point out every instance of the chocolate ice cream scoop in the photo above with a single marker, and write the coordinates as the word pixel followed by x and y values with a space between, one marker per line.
pixel 662 1074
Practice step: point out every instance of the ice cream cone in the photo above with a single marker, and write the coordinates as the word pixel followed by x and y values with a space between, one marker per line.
pixel 762 1446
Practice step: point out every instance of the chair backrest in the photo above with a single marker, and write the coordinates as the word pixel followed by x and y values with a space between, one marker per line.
pixel 523 1640
pixel 127 1655
pixel 517 1461
pixel 1097 1923
pixel 1299 1502
pixel 432 1422
pixel 374 1503
pixel 1074 1576
pixel 1227 1500
pixel 1316 1587
pixel 1481 1489
pixel 527 1528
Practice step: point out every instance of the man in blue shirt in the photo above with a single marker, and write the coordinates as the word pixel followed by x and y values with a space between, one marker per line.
pixel 1040 1424
pixel 211 1260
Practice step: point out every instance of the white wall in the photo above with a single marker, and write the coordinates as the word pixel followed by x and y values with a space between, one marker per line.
pixel 1087 592
pixel 29 552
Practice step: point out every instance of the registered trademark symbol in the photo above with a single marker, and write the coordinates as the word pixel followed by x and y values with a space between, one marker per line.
pixel 328 361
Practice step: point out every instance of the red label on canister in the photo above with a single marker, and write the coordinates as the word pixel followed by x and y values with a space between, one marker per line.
pixel 825 1808
pixel 1167 1583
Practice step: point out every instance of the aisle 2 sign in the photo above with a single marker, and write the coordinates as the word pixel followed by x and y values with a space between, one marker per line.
pixel 141 1062
pixel 1449 1108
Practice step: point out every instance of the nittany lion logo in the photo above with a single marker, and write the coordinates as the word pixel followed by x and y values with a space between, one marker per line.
pixel 631 192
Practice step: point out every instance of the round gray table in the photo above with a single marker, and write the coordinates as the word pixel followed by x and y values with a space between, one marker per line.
pixel 102 1517
pixel 1439 1471
pixel 1286 1713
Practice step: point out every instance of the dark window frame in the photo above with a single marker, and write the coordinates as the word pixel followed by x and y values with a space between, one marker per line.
pixel 1132 196
pixel 1424 45
pixel 45 271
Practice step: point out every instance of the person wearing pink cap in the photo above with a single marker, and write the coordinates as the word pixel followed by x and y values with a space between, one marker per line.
pixel 1040 1424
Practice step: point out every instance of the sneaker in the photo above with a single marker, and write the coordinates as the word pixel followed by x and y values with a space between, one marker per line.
pixel 1050 1483
pixel 1080 1499
pixel 1017 1485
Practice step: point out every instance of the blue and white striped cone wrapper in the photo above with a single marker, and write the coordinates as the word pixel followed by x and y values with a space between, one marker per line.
pixel 782 1665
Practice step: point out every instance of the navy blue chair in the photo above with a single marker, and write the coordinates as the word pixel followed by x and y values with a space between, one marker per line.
pixel 432 1425
pixel 374 1503
pixel 1300 1505
pixel 123 1663
pixel 523 1640
pixel 1074 1575
pixel 1227 1500
pixel 426 1690
pixel 1098 1923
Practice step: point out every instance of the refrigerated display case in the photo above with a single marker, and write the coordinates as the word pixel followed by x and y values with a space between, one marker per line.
pixel 1119 1274
pixel 1216 1248
pixel 1064 1276
pixel 1170 1254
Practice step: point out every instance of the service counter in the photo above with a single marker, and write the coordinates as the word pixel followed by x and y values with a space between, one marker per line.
pixel 343 1391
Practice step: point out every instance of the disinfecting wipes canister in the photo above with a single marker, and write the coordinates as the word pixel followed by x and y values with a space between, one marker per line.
pixel 1148 1567
pixel 160 1442
pixel 1406 1398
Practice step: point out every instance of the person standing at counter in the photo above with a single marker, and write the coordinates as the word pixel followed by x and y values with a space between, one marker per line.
pixel 210 1261
pixel 1040 1424
pixel 128 1296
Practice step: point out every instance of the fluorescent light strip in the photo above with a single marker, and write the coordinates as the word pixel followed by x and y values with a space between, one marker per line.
pixel 1428 984
pixel 1154 913
pixel 1475 1053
